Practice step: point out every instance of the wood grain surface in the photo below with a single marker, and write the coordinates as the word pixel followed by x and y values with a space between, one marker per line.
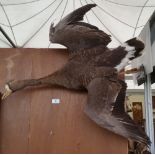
pixel 30 123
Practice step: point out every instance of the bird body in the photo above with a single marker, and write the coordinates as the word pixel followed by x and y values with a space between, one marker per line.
pixel 94 67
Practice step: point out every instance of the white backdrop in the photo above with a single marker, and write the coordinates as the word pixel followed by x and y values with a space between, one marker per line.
pixel 27 21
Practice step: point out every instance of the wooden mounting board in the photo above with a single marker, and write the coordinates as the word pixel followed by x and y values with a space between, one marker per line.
pixel 30 123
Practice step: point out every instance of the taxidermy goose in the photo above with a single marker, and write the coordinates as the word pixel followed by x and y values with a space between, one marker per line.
pixel 94 67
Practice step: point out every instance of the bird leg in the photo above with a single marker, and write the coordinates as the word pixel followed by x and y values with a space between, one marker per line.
pixel 59 78
pixel 135 70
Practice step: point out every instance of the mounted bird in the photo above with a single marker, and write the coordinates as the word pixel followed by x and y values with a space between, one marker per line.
pixel 92 66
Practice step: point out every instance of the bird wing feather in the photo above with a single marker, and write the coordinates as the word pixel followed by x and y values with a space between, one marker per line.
pixel 106 107
pixel 76 15
pixel 77 35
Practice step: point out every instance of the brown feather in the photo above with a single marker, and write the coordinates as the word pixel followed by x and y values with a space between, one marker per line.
pixel 101 99
pixel 77 15
pixel 77 35
pixel 134 130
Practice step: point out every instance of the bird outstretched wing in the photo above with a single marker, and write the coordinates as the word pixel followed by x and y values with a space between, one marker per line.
pixel 77 35
pixel 106 107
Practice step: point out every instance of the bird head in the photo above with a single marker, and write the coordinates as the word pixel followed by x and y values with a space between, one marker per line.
pixel 138 46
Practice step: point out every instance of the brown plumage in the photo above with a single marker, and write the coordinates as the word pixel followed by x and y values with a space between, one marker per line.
pixel 94 67
pixel 76 35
